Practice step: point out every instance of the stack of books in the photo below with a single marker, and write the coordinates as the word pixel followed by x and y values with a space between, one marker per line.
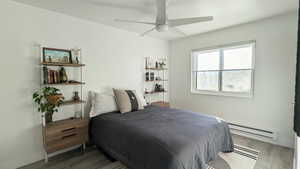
pixel 51 76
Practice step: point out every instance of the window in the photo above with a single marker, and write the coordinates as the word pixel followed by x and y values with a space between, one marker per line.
pixel 224 71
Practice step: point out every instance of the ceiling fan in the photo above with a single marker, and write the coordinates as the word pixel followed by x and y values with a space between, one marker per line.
pixel 163 24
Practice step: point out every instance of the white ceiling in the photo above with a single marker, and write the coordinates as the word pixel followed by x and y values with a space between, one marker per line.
pixel 226 12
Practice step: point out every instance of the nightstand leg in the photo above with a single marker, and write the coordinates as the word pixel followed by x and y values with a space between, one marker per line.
pixel 46 157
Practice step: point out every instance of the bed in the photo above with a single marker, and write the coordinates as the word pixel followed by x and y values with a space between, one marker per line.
pixel 161 138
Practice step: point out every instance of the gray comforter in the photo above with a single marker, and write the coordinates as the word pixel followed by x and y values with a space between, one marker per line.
pixel 161 138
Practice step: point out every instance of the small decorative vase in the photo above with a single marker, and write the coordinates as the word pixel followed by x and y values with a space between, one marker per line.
pixel 76 96
pixel 48 117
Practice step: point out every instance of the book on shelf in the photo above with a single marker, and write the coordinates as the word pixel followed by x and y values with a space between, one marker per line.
pixel 50 76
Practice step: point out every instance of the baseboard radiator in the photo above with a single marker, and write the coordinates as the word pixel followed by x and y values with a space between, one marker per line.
pixel 251 132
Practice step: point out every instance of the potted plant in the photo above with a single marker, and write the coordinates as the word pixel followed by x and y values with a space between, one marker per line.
pixel 48 100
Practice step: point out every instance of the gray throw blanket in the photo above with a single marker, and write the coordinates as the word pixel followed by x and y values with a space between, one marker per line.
pixel 161 138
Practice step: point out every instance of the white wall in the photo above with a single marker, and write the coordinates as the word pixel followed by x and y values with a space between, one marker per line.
pixel 271 107
pixel 114 58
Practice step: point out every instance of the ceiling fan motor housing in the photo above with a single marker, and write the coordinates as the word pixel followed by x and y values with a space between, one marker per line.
pixel 162 28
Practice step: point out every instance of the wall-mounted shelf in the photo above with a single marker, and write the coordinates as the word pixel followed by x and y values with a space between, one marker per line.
pixel 156 80
pixel 156 69
pixel 64 84
pixel 161 104
pixel 154 92
pixel 62 64
pixel 71 102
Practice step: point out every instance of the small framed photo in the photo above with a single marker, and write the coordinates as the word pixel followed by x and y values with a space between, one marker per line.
pixel 76 56
pixel 57 55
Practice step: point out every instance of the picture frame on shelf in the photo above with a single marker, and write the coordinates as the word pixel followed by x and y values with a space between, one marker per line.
pixel 53 55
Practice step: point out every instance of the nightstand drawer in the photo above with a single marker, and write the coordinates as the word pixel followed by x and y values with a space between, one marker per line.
pixel 64 126
pixel 64 134
pixel 66 142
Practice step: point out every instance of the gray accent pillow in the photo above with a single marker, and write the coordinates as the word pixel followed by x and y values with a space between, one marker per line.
pixel 128 100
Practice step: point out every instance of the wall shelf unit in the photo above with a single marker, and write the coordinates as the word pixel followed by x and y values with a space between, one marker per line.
pixel 156 74
pixel 66 132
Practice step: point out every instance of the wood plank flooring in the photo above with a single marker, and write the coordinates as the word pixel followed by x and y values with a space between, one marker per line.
pixel 271 157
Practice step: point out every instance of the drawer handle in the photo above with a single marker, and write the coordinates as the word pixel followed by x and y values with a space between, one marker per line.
pixel 70 135
pixel 70 129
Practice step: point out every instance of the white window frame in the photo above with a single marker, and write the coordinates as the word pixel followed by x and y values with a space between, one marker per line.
pixel 194 89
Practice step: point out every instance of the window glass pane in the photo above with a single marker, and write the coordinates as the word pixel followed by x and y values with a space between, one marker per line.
pixel 236 81
pixel 239 58
pixel 208 61
pixel 207 81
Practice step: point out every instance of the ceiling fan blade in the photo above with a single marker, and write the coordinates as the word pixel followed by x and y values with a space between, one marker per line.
pixel 145 33
pixel 161 6
pixel 178 31
pixel 187 21
pixel 131 21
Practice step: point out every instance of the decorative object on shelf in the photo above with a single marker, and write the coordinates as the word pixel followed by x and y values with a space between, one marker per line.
pixel 48 100
pixel 63 75
pixel 76 55
pixel 159 88
pixel 156 65
pixel 146 63
pixel 147 76
pixel 162 65
pixel 76 96
pixel 152 76
pixel 149 63
pixel 57 55
pixel 158 78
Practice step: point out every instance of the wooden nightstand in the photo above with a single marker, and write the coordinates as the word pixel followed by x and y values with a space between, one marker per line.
pixel 64 134
pixel 161 104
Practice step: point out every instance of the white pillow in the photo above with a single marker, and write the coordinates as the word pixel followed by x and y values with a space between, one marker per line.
pixel 102 103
